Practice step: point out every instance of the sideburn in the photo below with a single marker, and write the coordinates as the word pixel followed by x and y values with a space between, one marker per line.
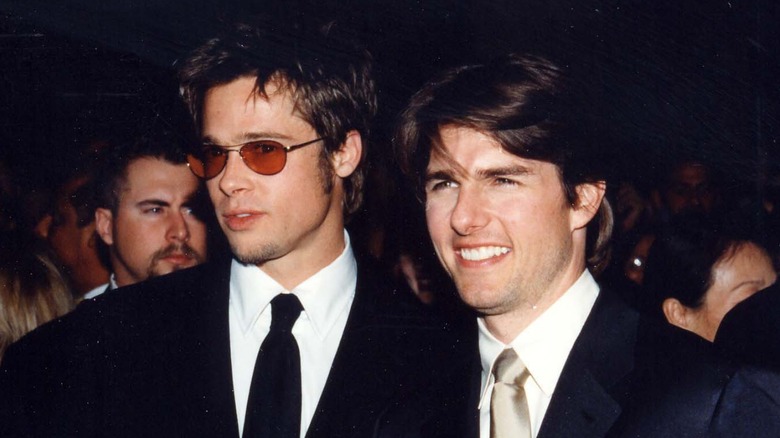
pixel 327 173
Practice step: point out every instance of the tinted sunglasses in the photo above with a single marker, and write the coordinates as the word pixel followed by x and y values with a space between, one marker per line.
pixel 266 157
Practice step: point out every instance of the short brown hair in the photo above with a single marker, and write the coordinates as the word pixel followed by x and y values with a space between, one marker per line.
pixel 327 73
pixel 529 106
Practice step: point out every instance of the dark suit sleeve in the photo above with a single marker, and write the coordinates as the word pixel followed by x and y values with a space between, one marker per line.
pixel 749 406
pixel 47 387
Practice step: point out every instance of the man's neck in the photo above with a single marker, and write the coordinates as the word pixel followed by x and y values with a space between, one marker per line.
pixel 299 265
pixel 507 326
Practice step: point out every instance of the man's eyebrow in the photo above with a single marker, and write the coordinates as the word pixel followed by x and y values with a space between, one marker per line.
pixel 247 137
pixel 208 140
pixel 514 170
pixel 493 172
pixel 153 203
pixel 438 175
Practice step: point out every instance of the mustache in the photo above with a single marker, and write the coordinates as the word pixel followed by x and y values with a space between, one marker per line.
pixel 175 248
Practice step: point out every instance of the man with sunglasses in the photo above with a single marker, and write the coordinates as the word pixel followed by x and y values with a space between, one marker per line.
pixel 292 336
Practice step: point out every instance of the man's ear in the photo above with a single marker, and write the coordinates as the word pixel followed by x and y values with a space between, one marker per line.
pixel 589 197
pixel 104 225
pixel 346 159
pixel 676 313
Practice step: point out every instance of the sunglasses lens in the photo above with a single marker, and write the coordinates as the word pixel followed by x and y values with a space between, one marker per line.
pixel 196 166
pixel 264 157
pixel 208 163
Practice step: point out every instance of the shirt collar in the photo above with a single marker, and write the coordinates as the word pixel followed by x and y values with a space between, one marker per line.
pixel 324 295
pixel 545 344
pixel 112 282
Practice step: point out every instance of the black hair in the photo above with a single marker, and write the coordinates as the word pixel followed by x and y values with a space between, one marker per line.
pixel 681 260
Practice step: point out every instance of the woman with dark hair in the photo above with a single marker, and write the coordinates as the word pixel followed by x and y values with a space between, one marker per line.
pixel 698 270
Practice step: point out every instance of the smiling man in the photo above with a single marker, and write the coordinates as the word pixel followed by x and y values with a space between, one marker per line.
pixel 512 172
pixel 292 336
pixel 148 212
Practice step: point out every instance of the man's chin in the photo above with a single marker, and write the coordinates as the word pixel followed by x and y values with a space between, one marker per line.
pixel 255 256
pixel 164 268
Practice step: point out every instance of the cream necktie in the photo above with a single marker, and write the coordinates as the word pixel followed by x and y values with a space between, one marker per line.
pixel 509 415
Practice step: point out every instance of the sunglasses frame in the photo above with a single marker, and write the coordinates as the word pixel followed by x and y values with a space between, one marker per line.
pixel 239 148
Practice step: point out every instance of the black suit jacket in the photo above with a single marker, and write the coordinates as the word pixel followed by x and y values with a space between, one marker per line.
pixel 750 332
pixel 153 359
pixel 625 377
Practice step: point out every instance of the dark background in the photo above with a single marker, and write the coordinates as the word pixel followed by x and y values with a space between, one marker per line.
pixel 669 77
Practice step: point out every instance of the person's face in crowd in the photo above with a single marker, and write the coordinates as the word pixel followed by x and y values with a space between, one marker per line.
pixel 735 277
pixel 290 223
pixel 73 243
pixel 155 230
pixel 689 189
pixel 501 224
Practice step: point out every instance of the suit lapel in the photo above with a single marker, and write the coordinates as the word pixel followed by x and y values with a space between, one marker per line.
pixel 586 399
pixel 211 368
pixel 359 368
pixel 463 420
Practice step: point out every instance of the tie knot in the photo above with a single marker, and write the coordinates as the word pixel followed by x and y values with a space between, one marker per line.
pixel 285 309
pixel 508 368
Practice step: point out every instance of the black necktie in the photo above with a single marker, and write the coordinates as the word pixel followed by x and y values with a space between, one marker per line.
pixel 274 406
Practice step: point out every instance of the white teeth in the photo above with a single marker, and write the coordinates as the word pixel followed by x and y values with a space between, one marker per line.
pixel 483 252
pixel 243 215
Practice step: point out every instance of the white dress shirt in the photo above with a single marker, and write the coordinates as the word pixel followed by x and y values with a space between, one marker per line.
pixel 111 285
pixel 326 298
pixel 543 347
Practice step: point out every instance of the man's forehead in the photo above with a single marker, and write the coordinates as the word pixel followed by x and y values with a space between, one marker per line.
pixel 273 101
pixel 149 171
pixel 455 147
pixel 276 85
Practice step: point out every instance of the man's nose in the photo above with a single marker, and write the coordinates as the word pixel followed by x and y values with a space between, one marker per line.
pixel 178 229
pixel 233 178
pixel 469 213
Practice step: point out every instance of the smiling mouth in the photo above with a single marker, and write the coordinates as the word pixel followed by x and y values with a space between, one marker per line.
pixel 482 252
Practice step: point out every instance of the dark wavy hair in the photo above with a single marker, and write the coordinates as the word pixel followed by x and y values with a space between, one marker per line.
pixel 327 73
pixel 531 108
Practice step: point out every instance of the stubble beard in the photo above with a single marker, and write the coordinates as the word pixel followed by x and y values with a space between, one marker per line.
pixel 256 256
pixel 270 251
pixel 538 289
pixel 521 292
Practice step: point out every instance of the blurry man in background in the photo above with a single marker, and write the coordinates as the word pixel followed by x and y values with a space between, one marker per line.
pixel 70 230
pixel 148 207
